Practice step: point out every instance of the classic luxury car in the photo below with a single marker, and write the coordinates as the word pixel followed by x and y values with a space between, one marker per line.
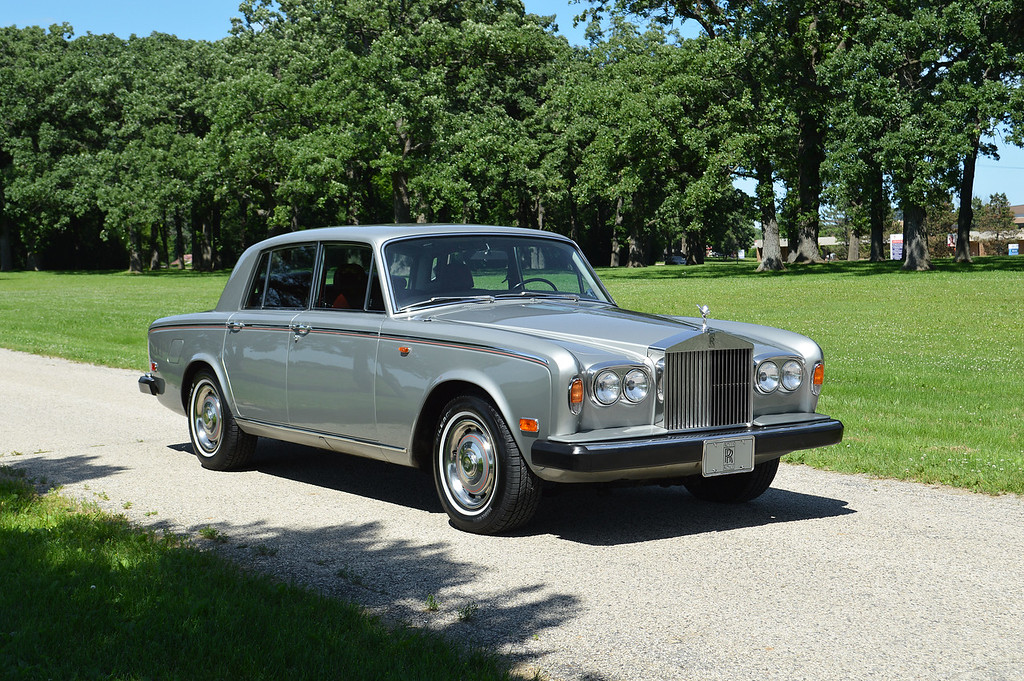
pixel 491 357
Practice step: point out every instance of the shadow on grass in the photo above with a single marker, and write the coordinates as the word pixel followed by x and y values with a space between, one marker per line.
pixel 356 560
pixel 392 570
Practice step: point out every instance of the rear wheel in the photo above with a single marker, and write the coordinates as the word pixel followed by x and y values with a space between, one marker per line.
pixel 216 438
pixel 482 480
pixel 735 488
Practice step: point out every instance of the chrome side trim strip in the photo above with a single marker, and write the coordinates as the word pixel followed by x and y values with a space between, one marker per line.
pixel 265 426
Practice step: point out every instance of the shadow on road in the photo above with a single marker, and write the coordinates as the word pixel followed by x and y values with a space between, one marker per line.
pixel 594 515
pixel 629 515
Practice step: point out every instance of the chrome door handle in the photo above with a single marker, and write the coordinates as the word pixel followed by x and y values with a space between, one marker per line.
pixel 301 330
pixel 236 326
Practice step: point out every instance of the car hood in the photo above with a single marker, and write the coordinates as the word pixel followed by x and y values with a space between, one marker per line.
pixel 598 326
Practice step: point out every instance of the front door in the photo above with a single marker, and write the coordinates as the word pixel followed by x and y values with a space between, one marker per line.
pixel 333 353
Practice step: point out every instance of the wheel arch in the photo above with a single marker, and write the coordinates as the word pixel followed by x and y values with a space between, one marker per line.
pixel 433 406
pixel 194 367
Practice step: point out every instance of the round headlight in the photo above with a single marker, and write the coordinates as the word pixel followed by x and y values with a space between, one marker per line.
pixel 792 375
pixel 768 377
pixel 607 387
pixel 636 386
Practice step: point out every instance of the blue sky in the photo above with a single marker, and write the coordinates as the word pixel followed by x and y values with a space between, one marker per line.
pixel 211 20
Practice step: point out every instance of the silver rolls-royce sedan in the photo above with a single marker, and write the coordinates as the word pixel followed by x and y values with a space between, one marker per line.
pixel 493 358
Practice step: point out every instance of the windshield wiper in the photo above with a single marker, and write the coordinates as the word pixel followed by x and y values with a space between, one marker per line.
pixel 441 300
pixel 541 294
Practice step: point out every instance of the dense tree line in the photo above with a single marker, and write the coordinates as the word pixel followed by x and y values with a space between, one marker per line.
pixel 318 112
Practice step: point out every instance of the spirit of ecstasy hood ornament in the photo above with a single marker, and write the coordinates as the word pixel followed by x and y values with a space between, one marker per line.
pixel 703 309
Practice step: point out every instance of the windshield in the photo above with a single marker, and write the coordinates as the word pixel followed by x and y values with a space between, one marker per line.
pixel 454 268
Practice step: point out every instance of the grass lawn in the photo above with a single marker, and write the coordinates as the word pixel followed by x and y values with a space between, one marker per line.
pixel 99 318
pixel 925 369
pixel 86 596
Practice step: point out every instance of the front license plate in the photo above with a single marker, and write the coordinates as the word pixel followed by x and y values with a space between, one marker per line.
pixel 728 456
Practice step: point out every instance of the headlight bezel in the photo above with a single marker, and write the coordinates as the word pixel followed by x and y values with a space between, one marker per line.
pixel 627 379
pixel 785 375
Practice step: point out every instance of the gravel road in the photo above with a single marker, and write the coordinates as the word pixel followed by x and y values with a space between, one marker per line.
pixel 826 576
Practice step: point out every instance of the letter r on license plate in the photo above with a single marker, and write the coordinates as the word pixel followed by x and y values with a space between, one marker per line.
pixel 726 456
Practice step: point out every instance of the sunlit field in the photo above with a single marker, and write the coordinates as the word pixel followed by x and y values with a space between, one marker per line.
pixel 925 369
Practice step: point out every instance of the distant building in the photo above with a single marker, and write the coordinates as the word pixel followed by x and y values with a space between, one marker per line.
pixel 1018 215
pixel 823 242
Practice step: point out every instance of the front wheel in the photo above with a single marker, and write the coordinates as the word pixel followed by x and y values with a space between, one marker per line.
pixel 736 488
pixel 216 438
pixel 482 480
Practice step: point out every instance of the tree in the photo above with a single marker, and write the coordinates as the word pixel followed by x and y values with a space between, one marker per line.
pixel 993 39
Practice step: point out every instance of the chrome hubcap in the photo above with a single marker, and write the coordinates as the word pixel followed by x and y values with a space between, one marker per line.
pixel 206 418
pixel 467 463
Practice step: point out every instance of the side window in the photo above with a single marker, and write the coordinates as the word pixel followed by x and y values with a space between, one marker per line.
pixel 290 277
pixel 345 277
pixel 259 284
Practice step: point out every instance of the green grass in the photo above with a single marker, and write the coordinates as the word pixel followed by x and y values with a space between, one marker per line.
pixel 86 596
pixel 925 369
pixel 100 318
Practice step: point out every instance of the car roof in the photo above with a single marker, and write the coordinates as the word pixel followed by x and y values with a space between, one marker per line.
pixel 378 234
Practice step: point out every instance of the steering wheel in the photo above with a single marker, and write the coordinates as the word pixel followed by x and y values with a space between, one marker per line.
pixel 541 280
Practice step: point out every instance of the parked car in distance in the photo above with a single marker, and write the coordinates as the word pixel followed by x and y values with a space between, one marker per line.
pixel 491 357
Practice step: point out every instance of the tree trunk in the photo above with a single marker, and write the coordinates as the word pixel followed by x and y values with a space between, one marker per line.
pixel 809 159
pixel 852 245
pixel 696 248
pixel 915 239
pixel 615 259
pixel 179 240
pixel 636 248
pixel 771 247
pixel 163 241
pixel 6 252
pixel 877 212
pixel 154 248
pixel 400 198
pixel 215 240
pixel 202 253
pixel 134 250
pixel 402 203
pixel 574 212
pixel 966 216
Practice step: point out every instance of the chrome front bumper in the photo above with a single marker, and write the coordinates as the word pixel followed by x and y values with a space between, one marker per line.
pixel 661 453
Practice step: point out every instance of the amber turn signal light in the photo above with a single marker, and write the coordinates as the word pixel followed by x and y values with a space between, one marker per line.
pixel 819 378
pixel 529 425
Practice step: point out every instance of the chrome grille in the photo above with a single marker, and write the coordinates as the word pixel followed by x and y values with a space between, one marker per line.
pixel 708 388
